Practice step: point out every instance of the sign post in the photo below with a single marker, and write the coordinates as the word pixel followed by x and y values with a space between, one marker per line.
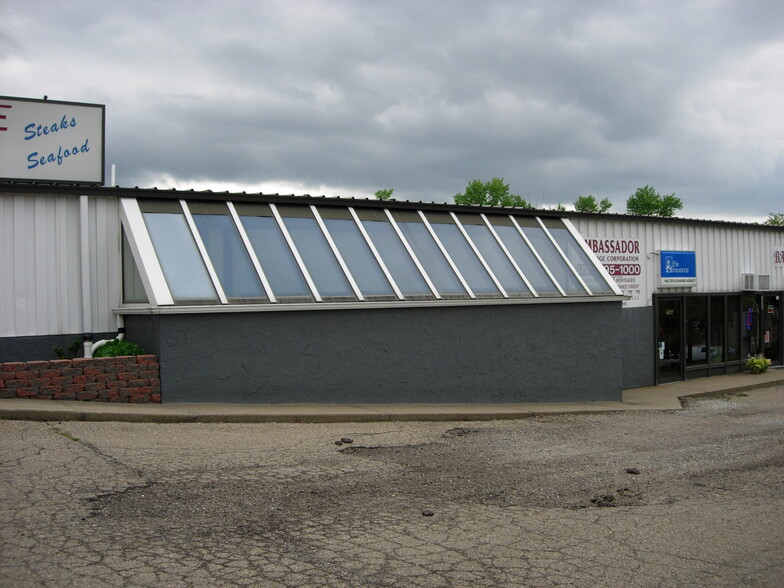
pixel 51 141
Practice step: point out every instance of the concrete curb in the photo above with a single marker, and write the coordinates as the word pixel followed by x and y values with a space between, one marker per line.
pixel 665 397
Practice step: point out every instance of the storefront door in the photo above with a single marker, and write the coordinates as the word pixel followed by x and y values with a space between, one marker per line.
pixel 670 340
pixel 770 325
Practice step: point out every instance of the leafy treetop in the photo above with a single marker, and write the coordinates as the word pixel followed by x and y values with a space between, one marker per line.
pixel 492 193
pixel 589 204
pixel 384 193
pixel 647 201
pixel 776 219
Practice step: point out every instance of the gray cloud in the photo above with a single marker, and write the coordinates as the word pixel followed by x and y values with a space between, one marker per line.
pixel 559 98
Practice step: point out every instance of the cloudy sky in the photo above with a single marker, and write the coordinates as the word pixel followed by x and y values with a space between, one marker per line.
pixel 343 97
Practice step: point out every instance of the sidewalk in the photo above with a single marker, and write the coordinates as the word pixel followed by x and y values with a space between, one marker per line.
pixel 664 397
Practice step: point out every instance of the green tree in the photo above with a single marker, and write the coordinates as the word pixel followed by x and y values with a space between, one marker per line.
pixel 647 201
pixel 384 193
pixel 492 193
pixel 589 204
pixel 776 219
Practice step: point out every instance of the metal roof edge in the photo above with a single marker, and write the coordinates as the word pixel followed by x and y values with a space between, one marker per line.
pixel 209 195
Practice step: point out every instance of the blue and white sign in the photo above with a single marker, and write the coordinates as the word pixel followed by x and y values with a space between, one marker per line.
pixel 678 269
pixel 51 141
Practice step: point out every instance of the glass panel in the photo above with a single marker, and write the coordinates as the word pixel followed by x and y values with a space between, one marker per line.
pixel 180 260
pixel 525 259
pixel 696 330
pixel 717 325
pixel 465 259
pixel 396 258
pixel 578 258
pixel 133 288
pixel 750 344
pixel 228 255
pixel 275 257
pixel 669 340
pixel 553 260
pixel 733 328
pixel 496 258
pixel 358 257
pixel 431 258
pixel 322 264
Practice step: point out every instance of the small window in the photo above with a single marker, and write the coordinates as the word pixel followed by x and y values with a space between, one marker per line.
pixel 524 257
pixel 577 256
pixel 176 249
pixel 228 255
pixel 468 264
pixel 276 259
pixel 314 249
pixel 133 288
pixel 356 253
pixel 429 255
pixel 494 255
pixel 399 263
pixel 552 259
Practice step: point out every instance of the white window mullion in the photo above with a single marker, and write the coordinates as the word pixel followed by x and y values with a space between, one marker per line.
pixel 203 252
pixel 153 279
pixel 251 252
pixel 415 259
pixel 336 252
pixel 479 255
pixel 563 255
pixel 295 253
pixel 446 255
pixel 538 257
pixel 508 254
pixel 375 253
pixel 592 256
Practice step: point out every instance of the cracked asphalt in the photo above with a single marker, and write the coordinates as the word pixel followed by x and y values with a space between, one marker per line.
pixel 692 497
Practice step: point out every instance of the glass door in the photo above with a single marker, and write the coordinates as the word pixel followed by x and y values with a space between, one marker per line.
pixel 770 325
pixel 669 346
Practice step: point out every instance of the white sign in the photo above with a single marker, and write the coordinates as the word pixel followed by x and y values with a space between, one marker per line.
pixel 778 256
pixel 51 141
pixel 623 261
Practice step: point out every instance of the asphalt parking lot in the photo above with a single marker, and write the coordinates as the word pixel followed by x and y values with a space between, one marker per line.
pixel 647 498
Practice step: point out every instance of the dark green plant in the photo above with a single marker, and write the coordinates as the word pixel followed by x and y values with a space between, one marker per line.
pixel 384 193
pixel 647 201
pixel 492 193
pixel 71 352
pixel 589 204
pixel 116 348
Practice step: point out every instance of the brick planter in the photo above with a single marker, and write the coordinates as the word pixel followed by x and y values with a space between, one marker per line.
pixel 101 379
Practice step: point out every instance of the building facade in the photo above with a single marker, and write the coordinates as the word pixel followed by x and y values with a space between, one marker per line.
pixel 258 298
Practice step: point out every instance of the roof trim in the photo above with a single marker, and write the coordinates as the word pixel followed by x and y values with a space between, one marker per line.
pixel 307 199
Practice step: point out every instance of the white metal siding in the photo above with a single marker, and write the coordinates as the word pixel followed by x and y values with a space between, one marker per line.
pixel 40 273
pixel 723 252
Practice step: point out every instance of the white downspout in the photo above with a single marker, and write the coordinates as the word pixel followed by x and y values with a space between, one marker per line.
pixel 84 246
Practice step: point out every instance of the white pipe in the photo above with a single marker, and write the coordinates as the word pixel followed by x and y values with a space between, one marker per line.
pixel 120 336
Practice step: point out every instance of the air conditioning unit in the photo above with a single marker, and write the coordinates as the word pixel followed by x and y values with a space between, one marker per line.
pixel 763 282
pixel 748 282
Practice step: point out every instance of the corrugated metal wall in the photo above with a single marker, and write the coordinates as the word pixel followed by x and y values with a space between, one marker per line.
pixel 723 252
pixel 40 264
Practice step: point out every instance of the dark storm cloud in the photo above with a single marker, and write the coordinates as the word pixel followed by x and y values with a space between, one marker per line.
pixel 559 98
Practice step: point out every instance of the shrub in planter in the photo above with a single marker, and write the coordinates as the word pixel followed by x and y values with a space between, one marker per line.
pixel 757 364
pixel 118 347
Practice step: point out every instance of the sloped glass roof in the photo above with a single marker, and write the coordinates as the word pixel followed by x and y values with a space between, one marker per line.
pixel 196 252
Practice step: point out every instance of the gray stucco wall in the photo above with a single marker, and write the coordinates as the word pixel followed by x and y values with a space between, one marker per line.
pixel 515 353
pixel 638 347
pixel 41 347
